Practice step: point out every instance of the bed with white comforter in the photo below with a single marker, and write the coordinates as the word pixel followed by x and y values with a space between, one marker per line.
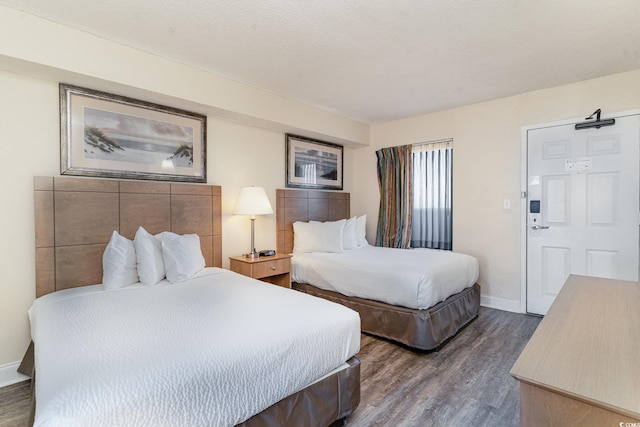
pixel 211 351
pixel 415 278
pixel 417 297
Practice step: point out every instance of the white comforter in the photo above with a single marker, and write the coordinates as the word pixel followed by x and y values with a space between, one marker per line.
pixel 212 351
pixel 412 278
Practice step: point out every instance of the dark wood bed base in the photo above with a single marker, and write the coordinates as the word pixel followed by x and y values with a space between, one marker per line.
pixel 74 219
pixel 425 330
pixel 319 405
pixel 420 329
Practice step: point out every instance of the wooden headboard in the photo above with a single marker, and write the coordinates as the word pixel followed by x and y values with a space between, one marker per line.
pixel 75 217
pixel 306 205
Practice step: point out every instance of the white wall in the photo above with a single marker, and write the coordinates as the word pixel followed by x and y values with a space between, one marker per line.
pixel 41 48
pixel 237 155
pixel 245 146
pixel 487 168
pixel 245 140
pixel 29 146
pixel 241 156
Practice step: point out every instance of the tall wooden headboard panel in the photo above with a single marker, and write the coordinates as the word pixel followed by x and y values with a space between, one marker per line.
pixel 75 217
pixel 306 205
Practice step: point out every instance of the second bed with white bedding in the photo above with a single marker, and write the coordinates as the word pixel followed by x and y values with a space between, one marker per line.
pixel 213 351
pixel 415 278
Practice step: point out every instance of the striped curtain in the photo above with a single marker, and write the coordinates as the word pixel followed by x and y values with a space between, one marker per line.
pixel 394 181
pixel 432 223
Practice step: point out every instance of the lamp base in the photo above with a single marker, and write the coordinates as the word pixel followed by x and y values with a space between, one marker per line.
pixel 253 254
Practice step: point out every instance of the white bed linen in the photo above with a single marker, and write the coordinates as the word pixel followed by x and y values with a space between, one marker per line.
pixel 211 351
pixel 412 278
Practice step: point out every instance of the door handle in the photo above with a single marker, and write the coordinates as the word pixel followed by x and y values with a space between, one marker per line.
pixel 539 227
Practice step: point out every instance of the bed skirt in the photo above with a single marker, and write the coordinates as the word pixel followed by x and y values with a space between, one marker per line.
pixel 320 404
pixel 420 329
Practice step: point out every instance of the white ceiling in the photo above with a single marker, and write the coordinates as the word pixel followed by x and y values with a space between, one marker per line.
pixel 373 60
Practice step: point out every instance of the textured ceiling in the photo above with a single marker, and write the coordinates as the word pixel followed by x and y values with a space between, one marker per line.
pixel 373 60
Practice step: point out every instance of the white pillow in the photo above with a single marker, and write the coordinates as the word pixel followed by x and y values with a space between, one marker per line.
pixel 350 238
pixel 318 236
pixel 182 256
pixel 361 231
pixel 119 263
pixel 149 256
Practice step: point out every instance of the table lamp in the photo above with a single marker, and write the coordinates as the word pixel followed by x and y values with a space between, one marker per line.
pixel 253 201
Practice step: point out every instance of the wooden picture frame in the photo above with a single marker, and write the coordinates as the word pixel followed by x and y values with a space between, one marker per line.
pixel 314 164
pixel 106 135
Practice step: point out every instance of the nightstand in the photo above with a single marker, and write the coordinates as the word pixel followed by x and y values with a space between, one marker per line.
pixel 275 269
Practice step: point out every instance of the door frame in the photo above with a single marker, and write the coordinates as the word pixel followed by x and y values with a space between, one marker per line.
pixel 524 187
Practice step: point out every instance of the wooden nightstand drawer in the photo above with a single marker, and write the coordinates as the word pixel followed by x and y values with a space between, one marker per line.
pixel 271 268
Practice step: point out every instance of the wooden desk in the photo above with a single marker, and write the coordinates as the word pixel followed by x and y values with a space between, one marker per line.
pixel 582 365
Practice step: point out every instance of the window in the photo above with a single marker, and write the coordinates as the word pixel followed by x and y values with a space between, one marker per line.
pixel 431 219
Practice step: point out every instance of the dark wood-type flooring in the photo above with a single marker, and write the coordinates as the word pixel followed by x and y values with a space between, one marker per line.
pixel 466 383
pixel 15 404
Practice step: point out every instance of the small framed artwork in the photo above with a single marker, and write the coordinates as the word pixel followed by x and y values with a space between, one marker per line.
pixel 313 164
pixel 114 136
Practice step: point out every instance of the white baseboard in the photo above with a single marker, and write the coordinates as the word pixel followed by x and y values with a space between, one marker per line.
pixel 501 303
pixel 9 374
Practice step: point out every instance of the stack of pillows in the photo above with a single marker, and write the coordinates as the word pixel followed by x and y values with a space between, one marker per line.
pixel 331 236
pixel 148 259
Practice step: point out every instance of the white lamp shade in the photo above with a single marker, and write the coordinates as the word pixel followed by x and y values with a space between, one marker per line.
pixel 253 201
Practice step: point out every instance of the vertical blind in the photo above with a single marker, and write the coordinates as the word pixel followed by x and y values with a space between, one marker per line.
pixel 431 219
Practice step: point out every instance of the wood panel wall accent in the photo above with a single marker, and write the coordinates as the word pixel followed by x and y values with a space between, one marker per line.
pixel 306 205
pixel 74 219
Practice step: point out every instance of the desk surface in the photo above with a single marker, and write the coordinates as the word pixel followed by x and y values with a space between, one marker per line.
pixel 587 347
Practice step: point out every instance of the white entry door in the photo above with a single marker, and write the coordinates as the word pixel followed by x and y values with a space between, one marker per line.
pixel 582 206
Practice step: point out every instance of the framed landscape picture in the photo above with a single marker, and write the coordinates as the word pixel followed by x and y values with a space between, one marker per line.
pixel 313 164
pixel 114 136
